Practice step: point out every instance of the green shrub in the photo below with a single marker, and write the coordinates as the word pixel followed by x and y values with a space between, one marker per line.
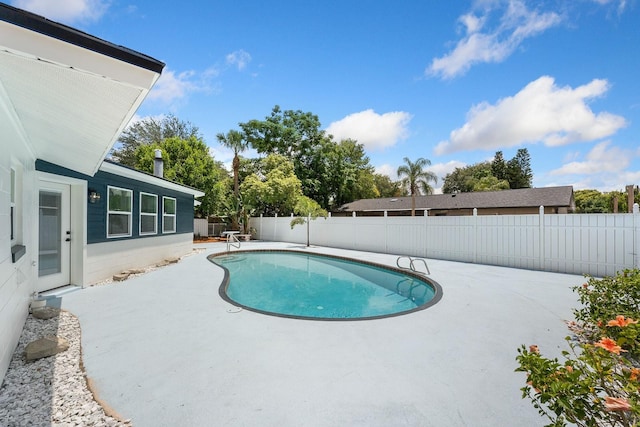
pixel 598 383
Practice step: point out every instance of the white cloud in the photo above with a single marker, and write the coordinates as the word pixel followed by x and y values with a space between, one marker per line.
pixel 67 11
pixel 375 131
pixel 541 111
pixel 387 170
pixel 604 182
pixel 601 159
pixel 442 169
pixel 622 4
pixel 238 59
pixel 225 155
pixel 172 86
pixel 516 24
pixel 138 118
pixel 602 168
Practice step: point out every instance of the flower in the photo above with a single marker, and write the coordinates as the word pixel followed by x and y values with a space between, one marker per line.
pixel 534 349
pixel 609 345
pixel 621 321
pixel 585 286
pixel 616 404
pixel 635 373
pixel 569 368
pixel 530 383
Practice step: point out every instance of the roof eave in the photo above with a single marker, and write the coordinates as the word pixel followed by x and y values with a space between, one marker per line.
pixel 127 172
pixel 76 37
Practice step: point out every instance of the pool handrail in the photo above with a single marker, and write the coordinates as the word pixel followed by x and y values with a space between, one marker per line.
pixel 411 266
pixel 232 240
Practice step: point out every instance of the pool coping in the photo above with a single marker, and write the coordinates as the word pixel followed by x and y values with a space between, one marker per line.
pixel 437 288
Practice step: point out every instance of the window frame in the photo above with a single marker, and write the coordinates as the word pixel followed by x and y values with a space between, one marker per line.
pixel 110 212
pixel 169 215
pixel 143 194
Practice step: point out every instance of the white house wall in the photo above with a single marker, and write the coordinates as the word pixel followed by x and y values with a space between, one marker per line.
pixel 17 280
pixel 109 258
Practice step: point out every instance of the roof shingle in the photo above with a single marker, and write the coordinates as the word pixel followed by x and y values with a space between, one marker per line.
pixel 520 198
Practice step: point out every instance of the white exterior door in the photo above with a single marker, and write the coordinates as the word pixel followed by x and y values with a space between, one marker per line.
pixel 54 233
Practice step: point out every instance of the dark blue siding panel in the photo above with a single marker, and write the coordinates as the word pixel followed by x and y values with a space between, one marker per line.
pixel 97 212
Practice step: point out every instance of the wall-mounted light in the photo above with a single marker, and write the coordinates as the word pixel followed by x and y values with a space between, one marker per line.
pixel 94 196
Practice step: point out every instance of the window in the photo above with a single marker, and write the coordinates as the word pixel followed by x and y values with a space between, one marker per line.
pixel 119 208
pixel 148 214
pixel 168 215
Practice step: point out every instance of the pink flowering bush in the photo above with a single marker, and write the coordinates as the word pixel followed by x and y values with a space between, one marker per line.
pixel 598 383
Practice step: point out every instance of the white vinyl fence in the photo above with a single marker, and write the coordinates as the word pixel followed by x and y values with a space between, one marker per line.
pixel 200 227
pixel 203 228
pixel 594 244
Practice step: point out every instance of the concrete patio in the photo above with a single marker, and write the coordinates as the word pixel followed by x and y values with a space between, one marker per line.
pixel 163 349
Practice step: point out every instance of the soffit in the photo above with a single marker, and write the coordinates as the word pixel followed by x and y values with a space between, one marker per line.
pixel 69 104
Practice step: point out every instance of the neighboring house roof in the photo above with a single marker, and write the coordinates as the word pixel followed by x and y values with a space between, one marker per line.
pixel 125 171
pixel 68 94
pixel 520 198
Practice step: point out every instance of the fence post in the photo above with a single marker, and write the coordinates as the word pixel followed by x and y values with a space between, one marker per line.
pixel 425 247
pixel 636 235
pixel 541 237
pixel 354 245
pixel 261 218
pixel 475 235
pixel 386 232
pixel 275 228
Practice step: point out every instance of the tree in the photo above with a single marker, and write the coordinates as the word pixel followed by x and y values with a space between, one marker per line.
pixel 231 211
pixel 188 162
pixel 274 189
pixel 621 196
pixel 465 179
pixel 363 188
pixel 350 176
pixel 591 201
pixel 491 176
pixel 519 171
pixel 330 173
pixel 234 140
pixel 149 131
pixel 308 210
pixel 499 167
pixel 297 136
pixel 491 183
pixel 388 188
pixel 416 179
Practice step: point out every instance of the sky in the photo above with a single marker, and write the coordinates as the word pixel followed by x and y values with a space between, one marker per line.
pixel 449 81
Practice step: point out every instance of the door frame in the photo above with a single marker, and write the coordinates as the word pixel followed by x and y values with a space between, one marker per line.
pixel 78 215
pixel 60 276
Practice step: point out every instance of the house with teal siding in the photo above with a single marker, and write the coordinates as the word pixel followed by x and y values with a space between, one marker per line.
pixel 133 219
pixel 68 216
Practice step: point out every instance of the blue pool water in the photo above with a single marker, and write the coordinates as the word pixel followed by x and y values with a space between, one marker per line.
pixel 319 287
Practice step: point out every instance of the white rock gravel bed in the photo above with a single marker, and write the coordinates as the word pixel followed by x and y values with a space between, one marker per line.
pixel 51 391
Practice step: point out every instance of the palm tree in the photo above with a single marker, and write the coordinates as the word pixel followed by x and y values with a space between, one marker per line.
pixel 416 178
pixel 235 141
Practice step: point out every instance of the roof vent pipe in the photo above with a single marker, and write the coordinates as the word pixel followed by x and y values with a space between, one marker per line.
pixel 158 164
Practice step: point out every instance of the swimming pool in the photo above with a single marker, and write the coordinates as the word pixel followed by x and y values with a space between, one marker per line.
pixel 320 287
